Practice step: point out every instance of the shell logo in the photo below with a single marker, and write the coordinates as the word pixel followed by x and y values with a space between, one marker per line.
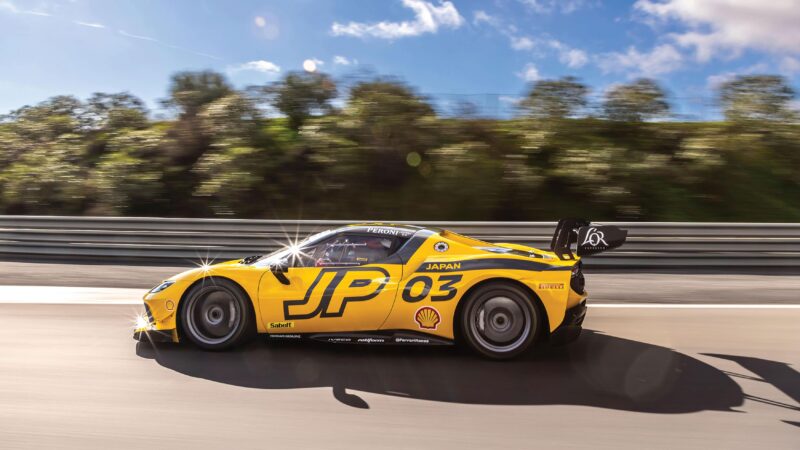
pixel 427 318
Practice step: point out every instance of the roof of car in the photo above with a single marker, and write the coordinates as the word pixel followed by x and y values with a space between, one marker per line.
pixel 385 229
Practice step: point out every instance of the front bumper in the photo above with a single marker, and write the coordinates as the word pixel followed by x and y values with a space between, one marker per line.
pixel 571 327
pixel 147 332
pixel 149 335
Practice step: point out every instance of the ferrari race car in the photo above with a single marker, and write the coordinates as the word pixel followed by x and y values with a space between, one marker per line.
pixel 386 284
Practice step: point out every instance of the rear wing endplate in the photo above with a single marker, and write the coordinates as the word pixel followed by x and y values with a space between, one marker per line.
pixel 591 239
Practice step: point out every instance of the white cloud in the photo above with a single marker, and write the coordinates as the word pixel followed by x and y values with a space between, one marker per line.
pixel 136 36
pixel 662 59
pixel 715 81
pixel 730 26
pixel 9 6
pixel 343 61
pixel 89 24
pixel 571 57
pixel 548 6
pixel 165 44
pixel 256 66
pixel 510 99
pixel 574 58
pixel 6 5
pixel 529 73
pixel 480 16
pixel 428 18
pixel 789 66
pixel 521 43
pixel 517 41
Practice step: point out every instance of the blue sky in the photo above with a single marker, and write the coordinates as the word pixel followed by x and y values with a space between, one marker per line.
pixel 77 47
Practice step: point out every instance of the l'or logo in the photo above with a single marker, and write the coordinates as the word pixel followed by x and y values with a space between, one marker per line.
pixel 595 237
pixel 368 281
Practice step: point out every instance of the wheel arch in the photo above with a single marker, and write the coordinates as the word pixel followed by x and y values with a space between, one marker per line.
pixel 181 302
pixel 458 332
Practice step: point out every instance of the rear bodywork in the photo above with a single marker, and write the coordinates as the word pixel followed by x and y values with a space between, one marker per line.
pixel 412 296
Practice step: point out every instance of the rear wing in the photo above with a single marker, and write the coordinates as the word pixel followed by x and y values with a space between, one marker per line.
pixel 591 239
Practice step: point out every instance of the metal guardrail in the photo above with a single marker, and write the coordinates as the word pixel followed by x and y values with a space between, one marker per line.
pixel 650 244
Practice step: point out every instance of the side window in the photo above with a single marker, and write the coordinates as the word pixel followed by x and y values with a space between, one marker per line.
pixel 349 250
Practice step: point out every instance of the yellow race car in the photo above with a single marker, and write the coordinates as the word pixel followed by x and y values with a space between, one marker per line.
pixel 386 284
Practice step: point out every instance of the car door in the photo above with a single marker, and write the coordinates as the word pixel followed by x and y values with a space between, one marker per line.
pixel 340 284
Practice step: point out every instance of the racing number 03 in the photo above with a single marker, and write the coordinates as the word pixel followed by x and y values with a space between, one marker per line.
pixel 444 285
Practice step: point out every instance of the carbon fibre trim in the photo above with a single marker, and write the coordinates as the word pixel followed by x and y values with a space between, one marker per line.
pixel 413 244
pixel 381 337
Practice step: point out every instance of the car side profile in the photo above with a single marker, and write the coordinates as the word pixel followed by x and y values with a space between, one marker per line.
pixel 386 284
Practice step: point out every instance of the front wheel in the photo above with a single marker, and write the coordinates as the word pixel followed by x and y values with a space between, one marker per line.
pixel 500 320
pixel 216 314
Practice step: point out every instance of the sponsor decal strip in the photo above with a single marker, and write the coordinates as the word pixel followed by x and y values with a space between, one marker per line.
pixel 488 263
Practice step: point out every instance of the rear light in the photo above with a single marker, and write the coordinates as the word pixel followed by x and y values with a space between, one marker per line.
pixel 577 282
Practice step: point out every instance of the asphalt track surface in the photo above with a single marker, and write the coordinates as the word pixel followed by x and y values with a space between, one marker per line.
pixel 720 374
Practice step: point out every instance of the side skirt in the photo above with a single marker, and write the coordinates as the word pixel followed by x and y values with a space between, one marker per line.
pixel 365 337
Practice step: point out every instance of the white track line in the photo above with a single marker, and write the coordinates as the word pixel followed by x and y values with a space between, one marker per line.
pixel 58 295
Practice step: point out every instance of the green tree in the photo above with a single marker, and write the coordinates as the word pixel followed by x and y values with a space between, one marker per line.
pixel 301 94
pixel 190 91
pixel 47 178
pixel 47 120
pixel 116 111
pixel 388 121
pixel 128 178
pixel 237 165
pixel 556 99
pixel 756 97
pixel 638 101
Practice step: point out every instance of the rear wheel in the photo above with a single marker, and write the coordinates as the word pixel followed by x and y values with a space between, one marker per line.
pixel 216 315
pixel 500 320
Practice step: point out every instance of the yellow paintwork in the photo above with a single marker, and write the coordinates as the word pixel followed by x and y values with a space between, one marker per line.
pixel 388 310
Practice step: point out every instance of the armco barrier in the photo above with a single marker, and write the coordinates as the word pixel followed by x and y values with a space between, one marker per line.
pixel 650 244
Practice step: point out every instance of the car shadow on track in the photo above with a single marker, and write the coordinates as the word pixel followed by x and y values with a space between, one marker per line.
pixel 598 370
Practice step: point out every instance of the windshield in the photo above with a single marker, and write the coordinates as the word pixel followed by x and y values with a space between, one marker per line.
pixel 284 252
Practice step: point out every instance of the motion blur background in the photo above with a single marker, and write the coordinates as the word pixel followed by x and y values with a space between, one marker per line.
pixel 304 112
pixel 292 140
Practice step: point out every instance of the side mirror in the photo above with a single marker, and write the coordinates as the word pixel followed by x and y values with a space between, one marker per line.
pixel 280 270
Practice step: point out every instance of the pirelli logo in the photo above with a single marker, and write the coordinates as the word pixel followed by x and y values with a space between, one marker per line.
pixel 551 286
pixel 274 325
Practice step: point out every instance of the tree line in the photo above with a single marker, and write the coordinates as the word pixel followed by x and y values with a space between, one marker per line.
pixel 376 149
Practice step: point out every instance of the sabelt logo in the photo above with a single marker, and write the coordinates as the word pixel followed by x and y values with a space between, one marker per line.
pixel 281 324
pixel 551 285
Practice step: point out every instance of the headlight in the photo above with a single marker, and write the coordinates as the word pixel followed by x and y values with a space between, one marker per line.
pixel 161 286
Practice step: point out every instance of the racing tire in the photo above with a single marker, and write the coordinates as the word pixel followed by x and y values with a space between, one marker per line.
pixel 216 314
pixel 500 320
